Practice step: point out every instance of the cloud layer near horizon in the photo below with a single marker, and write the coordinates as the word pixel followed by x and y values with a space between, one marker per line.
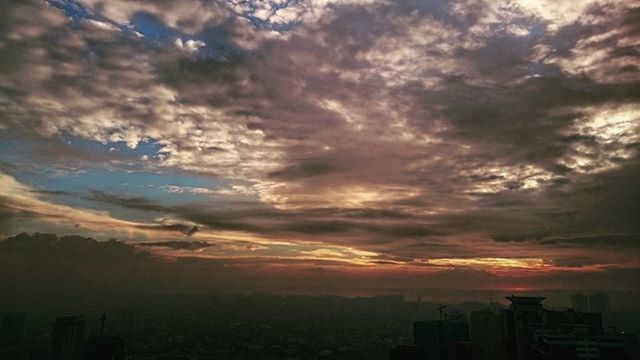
pixel 493 135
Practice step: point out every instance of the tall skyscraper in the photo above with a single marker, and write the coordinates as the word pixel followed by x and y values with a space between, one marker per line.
pixel 12 330
pixel 104 347
pixel 485 329
pixel 594 303
pixel 437 339
pixel 12 336
pixel 536 333
pixel 576 335
pixel 68 338
pixel 128 323
pixel 524 316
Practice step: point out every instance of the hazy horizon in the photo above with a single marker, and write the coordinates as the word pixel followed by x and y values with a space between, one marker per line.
pixel 116 274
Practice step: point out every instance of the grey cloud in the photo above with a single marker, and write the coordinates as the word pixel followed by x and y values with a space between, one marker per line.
pixel 179 245
pixel 139 203
pixel 617 241
pixel 183 228
pixel 370 226
pixel 517 121
pixel 74 267
pixel 305 168
pixel 189 17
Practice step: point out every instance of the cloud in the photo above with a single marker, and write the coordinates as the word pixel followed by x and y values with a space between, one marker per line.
pixel 190 45
pixel 603 48
pixel 67 269
pixel 231 190
pixel 304 168
pixel 189 16
pixel 140 203
pixel 168 226
pixel 617 241
pixel 179 245
pixel 21 203
pixel 412 130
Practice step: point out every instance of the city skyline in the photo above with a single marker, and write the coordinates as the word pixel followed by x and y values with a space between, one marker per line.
pixel 222 325
pixel 324 144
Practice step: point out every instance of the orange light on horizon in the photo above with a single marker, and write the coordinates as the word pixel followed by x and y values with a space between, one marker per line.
pixel 526 263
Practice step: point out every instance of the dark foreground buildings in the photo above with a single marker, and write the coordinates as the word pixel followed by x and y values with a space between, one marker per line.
pixel 104 347
pixel 261 327
pixel 68 338
pixel 533 333
pixel 485 329
pixel 593 303
pixel 405 352
pixel 442 339
pixel 523 331
pixel 12 335
pixel 69 342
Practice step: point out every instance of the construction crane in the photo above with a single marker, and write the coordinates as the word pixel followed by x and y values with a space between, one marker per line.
pixel 441 311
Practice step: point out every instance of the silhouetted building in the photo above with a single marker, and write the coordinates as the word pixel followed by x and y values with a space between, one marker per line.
pixel 577 341
pixel 571 334
pixel 435 339
pixel 104 347
pixel 12 330
pixel 534 333
pixel 594 303
pixel 554 319
pixel 405 352
pixel 128 323
pixel 524 316
pixel 633 345
pixel 465 351
pixel 68 338
pixel 485 329
pixel 12 336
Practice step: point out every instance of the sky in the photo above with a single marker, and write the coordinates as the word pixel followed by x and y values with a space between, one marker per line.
pixel 473 144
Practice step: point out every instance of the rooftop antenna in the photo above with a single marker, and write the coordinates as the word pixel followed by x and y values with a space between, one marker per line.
pixel 103 318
